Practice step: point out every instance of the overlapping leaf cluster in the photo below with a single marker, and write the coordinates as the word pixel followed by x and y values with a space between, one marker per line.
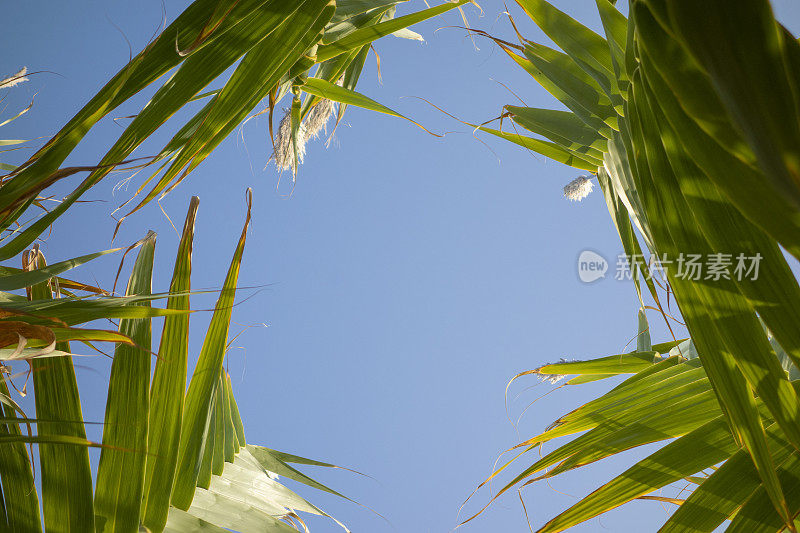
pixel 172 459
pixel 688 114
pixel 271 45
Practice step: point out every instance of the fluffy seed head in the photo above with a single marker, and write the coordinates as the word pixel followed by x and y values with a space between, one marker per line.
pixel 578 189
pixel 553 378
pixel 284 150
pixel 15 79
pixel 319 115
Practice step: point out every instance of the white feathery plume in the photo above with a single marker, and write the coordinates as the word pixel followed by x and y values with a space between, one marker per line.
pixel 319 115
pixel 284 151
pixel 16 79
pixel 553 378
pixel 578 189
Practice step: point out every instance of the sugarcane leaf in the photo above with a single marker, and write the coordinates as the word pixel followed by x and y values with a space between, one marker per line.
pixel 581 43
pixel 340 27
pixel 743 50
pixel 566 81
pixel 615 26
pixel 278 463
pixel 120 472
pixel 237 419
pixel 195 73
pixel 717 340
pixel 630 243
pixel 150 64
pixel 643 343
pixel 71 311
pixel 610 439
pixel 256 75
pixel 16 469
pixel 547 149
pixel 230 448
pixel 757 515
pixel 773 292
pixel 561 127
pixel 167 390
pixel 218 427
pixel 755 357
pixel 713 144
pixel 27 279
pixel 346 9
pixel 725 490
pixel 85 334
pixel 331 91
pixel 640 395
pixel 366 35
pixel 245 479
pixel 182 522
pixel 234 514
pixel 622 363
pixel 695 451
pixel 199 398
pixel 66 478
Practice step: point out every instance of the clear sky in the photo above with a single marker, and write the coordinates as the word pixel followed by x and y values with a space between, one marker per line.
pixel 405 281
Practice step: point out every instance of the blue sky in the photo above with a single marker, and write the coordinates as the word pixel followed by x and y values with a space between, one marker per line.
pixel 405 281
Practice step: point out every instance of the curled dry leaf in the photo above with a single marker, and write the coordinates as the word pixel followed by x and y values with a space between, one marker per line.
pixel 19 333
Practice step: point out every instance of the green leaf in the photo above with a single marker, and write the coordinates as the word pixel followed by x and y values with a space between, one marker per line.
pixel 561 127
pixel 774 293
pixel 757 516
pixel 725 490
pixel 16 471
pixel 169 384
pixel 613 364
pixel 181 522
pixel 154 61
pixel 743 50
pixel 120 473
pixel 367 34
pixel 277 462
pixel 27 279
pixel 218 427
pixel 71 311
pixel 66 478
pixel 199 398
pixel 616 28
pixel 713 144
pixel 331 91
pixel 703 447
pixel 615 436
pixel 564 79
pixel 237 419
pixel 589 50
pixel 717 318
pixel 230 449
pixel 256 75
pixel 197 72
pixel 341 25
pixel 633 252
pixel 547 149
